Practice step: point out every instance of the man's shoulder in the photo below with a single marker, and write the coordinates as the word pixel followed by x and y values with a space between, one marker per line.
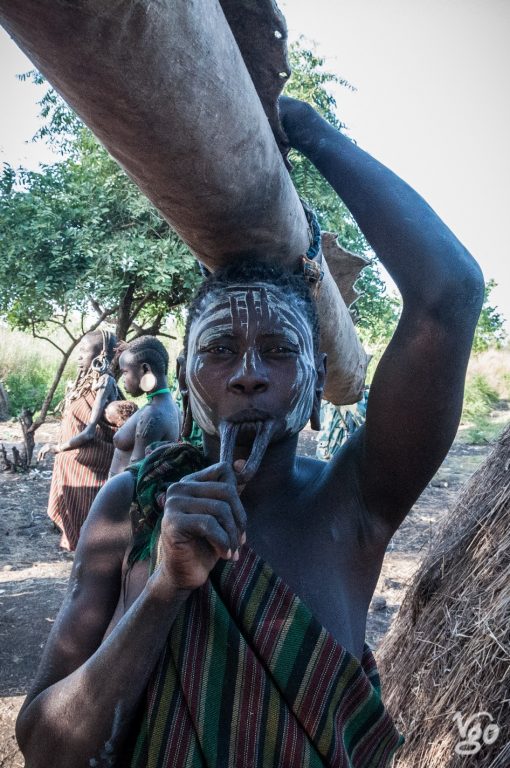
pixel 106 532
pixel 330 483
pixel 344 465
pixel 336 486
pixel 113 500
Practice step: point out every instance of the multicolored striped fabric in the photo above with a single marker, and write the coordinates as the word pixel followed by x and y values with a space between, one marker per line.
pixel 78 475
pixel 165 464
pixel 249 679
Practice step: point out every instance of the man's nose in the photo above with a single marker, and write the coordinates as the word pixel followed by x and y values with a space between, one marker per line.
pixel 250 375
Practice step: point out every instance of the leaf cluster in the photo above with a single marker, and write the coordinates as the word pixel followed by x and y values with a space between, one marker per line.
pixel 78 235
pixel 490 332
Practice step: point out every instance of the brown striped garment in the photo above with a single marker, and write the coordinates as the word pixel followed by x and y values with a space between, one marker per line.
pixel 78 474
pixel 249 679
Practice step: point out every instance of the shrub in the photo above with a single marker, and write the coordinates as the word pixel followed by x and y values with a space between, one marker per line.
pixel 27 388
pixel 27 368
pixel 479 398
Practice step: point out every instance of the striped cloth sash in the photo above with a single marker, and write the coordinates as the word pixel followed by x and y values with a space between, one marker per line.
pixel 249 679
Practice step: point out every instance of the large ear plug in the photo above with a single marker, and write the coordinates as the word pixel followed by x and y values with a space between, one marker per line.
pixel 147 382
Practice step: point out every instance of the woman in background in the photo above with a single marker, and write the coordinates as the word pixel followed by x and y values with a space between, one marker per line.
pixel 144 367
pixel 85 449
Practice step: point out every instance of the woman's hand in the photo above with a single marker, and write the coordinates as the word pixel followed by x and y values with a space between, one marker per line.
pixel 46 450
pixel 203 521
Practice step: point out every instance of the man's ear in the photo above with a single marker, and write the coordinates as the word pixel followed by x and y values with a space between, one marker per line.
pixel 187 417
pixel 180 373
pixel 320 366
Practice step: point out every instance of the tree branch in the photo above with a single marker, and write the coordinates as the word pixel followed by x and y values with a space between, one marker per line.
pixel 96 306
pixel 124 313
pixel 62 324
pixel 137 308
pixel 60 370
pixel 166 335
pixel 151 330
pixel 53 388
pixel 45 338
pixel 104 314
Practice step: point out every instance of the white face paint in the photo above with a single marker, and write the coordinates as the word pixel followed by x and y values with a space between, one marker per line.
pixel 250 316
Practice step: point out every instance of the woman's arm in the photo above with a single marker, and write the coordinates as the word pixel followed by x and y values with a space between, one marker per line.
pixel 101 400
pixel 104 393
pixel 416 395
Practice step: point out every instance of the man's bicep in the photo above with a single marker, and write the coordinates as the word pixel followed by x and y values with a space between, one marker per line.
pixel 413 412
pixel 93 589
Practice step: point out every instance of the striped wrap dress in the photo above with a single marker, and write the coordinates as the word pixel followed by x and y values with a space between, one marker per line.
pixel 79 474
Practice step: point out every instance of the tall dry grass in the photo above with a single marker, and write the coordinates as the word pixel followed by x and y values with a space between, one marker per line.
pixel 494 367
pixel 486 397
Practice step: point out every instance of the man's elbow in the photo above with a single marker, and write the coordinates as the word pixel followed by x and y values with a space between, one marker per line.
pixel 471 289
pixel 30 749
pixel 39 738
pixel 462 292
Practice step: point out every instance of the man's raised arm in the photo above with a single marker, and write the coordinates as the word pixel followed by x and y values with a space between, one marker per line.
pixel 416 395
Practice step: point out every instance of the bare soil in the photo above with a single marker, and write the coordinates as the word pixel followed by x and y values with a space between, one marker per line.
pixel 34 571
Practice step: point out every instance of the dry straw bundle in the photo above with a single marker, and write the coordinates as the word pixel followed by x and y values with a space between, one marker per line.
pixel 446 662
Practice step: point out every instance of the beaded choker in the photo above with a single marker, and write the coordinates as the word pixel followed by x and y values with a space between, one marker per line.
pixel 163 391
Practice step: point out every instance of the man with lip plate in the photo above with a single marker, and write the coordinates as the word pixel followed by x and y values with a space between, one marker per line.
pixel 224 623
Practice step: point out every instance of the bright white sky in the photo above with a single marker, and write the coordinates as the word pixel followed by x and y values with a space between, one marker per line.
pixel 432 103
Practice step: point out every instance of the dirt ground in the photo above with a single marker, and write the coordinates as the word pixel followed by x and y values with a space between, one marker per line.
pixel 34 572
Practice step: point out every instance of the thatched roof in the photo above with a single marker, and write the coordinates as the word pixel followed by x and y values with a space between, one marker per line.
pixel 449 649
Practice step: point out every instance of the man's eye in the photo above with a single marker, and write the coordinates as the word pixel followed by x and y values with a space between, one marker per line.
pixel 218 349
pixel 280 349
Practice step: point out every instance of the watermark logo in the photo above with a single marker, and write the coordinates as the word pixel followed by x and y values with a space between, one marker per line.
pixel 475 731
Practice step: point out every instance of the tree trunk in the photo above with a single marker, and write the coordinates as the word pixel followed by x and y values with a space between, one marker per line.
pixel 124 313
pixel 20 460
pixel 4 403
pixel 26 421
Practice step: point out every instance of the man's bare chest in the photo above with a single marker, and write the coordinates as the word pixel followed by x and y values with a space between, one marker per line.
pixel 318 554
pixel 322 559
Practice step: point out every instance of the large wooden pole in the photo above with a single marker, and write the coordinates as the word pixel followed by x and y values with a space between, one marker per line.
pixel 164 87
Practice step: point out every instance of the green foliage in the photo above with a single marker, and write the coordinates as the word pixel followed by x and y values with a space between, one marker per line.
pixel 78 236
pixel 479 415
pixel 27 388
pixel 375 312
pixel 490 332
pixel 27 368
pixel 479 398
pixel 309 82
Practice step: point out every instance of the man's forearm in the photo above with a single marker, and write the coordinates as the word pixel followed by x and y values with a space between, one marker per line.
pixel 419 251
pixel 86 716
